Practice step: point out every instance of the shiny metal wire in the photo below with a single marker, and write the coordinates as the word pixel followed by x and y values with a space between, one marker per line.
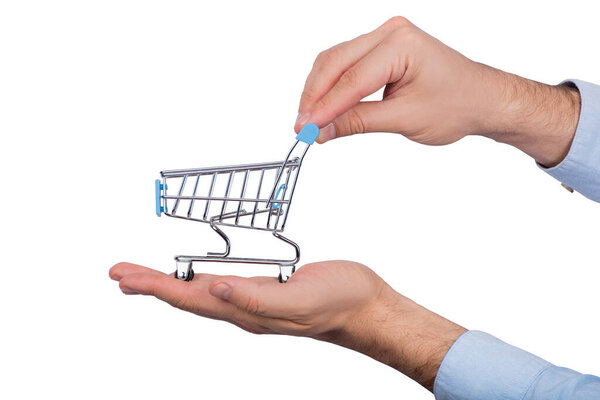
pixel 217 190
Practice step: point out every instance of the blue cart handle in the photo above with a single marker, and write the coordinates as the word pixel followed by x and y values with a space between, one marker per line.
pixel 308 134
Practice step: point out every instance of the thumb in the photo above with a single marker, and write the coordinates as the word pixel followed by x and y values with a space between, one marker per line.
pixel 366 116
pixel 261 296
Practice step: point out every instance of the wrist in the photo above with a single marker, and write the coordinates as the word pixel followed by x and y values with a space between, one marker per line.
pixel 402 334
pixel 536 118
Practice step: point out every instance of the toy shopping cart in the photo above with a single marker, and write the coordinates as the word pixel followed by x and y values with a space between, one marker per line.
pixel 235 196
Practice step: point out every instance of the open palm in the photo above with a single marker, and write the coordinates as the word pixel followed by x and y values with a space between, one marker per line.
pixel 318 299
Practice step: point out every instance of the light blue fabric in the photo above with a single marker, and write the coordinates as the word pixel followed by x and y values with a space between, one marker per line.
pixel 580 170
pixel 480 367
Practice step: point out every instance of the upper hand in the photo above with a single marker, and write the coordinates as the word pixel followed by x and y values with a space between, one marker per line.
pixel 433 95
pixel 430 94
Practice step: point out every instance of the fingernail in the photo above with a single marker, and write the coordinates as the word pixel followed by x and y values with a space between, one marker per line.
pixel 328 133
pixel 221 290
pixel 128 291
pixel 302 119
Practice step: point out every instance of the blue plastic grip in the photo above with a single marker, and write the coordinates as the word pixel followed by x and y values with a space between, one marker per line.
pixel 277 205
pixel 308 134
pixel 157 190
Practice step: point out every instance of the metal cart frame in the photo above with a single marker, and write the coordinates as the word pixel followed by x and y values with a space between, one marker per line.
pixel 264 213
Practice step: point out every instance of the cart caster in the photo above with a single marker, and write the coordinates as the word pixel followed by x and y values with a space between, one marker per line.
pixel 285 272
pixel 184 271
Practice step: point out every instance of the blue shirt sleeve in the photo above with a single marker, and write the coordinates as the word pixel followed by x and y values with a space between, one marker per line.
pixel 580 170
pixel 478 366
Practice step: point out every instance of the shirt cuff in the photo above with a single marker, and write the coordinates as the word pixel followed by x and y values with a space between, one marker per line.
pixel 580 170
pixel 480 366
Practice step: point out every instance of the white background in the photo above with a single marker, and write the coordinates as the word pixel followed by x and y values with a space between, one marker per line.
pixel 97 97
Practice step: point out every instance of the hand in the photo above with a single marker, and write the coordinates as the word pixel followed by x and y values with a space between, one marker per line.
pixel 317 300
pixel 341 302
pixel 433 95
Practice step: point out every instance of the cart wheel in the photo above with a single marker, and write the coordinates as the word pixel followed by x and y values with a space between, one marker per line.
pixel 189 277
pixel 285 272
pixel 184 271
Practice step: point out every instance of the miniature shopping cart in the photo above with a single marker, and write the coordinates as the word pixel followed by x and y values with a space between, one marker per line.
pixel 252 196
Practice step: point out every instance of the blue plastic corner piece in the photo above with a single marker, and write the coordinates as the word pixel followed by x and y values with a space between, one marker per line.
pixel 157 190
pixel 277 205
pixel 308 134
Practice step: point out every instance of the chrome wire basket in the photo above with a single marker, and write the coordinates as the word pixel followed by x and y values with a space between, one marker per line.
pixel 251 196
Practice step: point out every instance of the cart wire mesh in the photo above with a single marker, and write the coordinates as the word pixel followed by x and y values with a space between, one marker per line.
pixel 236 196
pixel 252 196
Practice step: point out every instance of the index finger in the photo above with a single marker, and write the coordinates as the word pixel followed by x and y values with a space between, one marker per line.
pixel 378 68
pixel 190 296
pixel 122 269
pixel 331 64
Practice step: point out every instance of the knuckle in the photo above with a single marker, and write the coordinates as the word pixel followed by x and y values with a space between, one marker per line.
pixel 349 79
pixel 308 94
pixel 397 22
pixel 320 58
pixel 321 104
pixel 328 56
pixel 252 305
pixel 412 35
pixel 112 273
pixel 355 122
pixel 403 36
pixel 333 54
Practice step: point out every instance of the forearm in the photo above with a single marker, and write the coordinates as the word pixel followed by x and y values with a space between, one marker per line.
pixel 536 118
pixel 400 333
